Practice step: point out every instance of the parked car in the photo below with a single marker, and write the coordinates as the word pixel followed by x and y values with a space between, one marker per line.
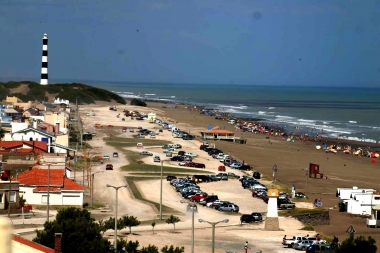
pixel 221 168
pixel 233 175
pixel 115 154
pixel 106 157
pixel 245 167
pixel 146 153
pixel 177 158
pixel 109 167
pixel 228 208
pixel 170 177
pixel 190 154
pixel 284 203
pixel 253 217
pixel 199 165
pixel 236 165
pixel 156 159
pixel 222 176
pixel 303 245
pixel 131 130
pixel 256 175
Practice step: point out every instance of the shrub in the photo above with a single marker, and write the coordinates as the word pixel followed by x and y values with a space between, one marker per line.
pixel 308 228
pixel 137 102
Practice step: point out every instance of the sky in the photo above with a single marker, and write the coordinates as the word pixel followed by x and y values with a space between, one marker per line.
pixel 253 42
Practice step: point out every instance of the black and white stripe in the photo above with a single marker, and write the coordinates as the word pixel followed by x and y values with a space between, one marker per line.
pixel 44 68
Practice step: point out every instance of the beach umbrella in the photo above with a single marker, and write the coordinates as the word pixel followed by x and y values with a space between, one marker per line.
pixel 377 155
pixel 318 147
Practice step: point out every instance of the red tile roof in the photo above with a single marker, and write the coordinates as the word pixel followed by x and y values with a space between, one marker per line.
pixel 38 145
pixel 39 178
pixel 33 245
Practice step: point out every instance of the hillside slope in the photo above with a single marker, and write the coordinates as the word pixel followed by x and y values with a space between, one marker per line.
pixel 31 91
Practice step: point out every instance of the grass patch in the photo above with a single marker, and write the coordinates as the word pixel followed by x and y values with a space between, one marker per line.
pixel 157 174
pixel 308 228
pixel 131 142
pixel 132 156
pixel 266 178
pixel 137 194
pixel 297 211
pixel 301 200
pixel 157 169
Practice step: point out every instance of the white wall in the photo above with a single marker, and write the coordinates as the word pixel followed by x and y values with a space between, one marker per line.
pixel 17 126
pixel 56 198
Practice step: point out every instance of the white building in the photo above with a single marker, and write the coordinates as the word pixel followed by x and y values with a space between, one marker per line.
pixel 63 191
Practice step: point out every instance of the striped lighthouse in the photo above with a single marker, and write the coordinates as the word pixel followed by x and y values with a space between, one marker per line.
pixel 44 68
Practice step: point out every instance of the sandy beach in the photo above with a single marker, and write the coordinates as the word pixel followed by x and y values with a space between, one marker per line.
pixel 291 157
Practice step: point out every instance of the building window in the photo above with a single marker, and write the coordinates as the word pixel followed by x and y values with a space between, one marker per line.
pixel 1 197
pixel 377 198
pixel 12 196
pixel 44 199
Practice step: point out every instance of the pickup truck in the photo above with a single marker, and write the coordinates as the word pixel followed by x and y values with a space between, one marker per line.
pixel 289 242
pixel 253 217
pixel 285 204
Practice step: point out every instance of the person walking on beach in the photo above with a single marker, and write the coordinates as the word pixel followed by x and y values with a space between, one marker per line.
pixel 246 247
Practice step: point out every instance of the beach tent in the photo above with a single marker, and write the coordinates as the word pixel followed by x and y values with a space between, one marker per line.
pixel 325 146
pixel 318 147
pixel 374 161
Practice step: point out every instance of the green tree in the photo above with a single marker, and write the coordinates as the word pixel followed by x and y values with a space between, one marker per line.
pixel 137 102
pixel 149 249
pixel 80 233
pixel 132 246
pixel 103 226
pixel 130 221
pixel 358 244
pixel 110 224
pixel 172 220
pixel 171 249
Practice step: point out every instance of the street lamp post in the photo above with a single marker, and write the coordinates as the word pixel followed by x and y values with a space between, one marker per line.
pixel 193 206
pixel 161 192
pixel 42 161
pixel 48 194
pixel 92 187
pixel 116 200
pixel 213 224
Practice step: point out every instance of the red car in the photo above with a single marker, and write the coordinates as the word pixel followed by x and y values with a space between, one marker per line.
pixel 221 168
pixel 200 165
pixel 191 164
pixel 110 126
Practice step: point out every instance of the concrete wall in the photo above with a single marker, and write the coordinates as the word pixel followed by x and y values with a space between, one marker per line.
pixel 56 198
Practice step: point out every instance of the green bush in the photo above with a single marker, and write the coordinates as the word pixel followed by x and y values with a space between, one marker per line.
pixel 137 102
pixel 308 228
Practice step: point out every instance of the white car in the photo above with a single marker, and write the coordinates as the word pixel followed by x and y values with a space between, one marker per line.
pixel 190 154
pixel 153 137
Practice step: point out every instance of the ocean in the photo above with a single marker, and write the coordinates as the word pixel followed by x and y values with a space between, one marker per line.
pixel 344 112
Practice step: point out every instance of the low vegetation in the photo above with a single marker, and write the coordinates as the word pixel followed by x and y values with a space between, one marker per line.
pixel 287 213
pixel 308 228
pixel 70 91
pixel 137 102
